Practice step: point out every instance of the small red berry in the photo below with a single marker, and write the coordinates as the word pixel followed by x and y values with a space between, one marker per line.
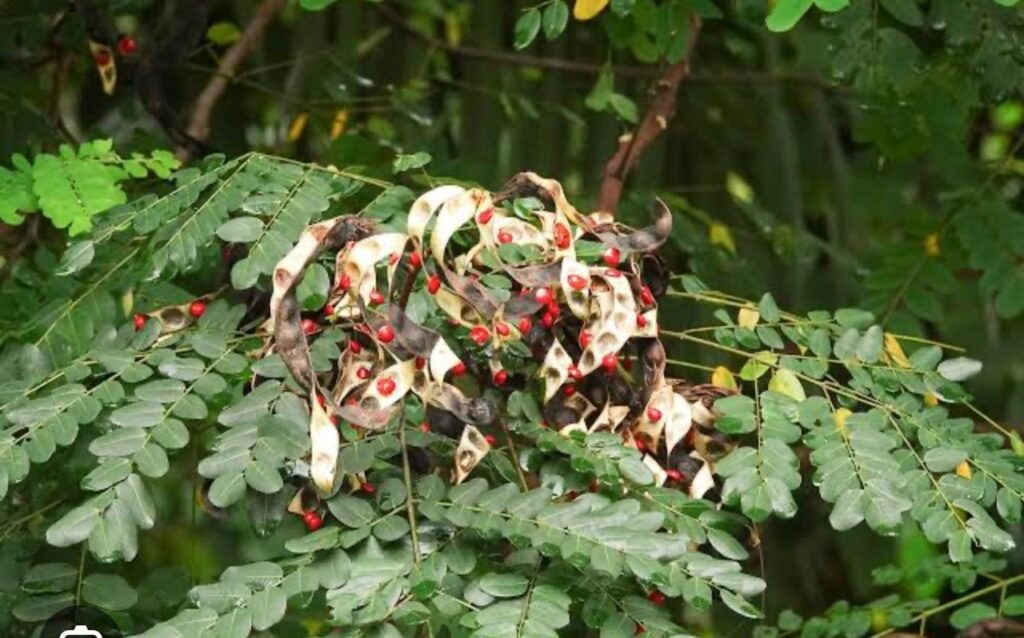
pixel 420 363
pixel 656 597
pixel 641 445
pixel 543 295
pixel 646 296
pixel 102 57
pixel 126 45
pixel 415 259
pixel 641 321
pixel 653 414
pixel 569 390
pixel 611 257
pixel 562 237
pixel 433 284
pixel 321 400
pixel 479 335
pixel 525 324
pixel 386 333
pixel 197 308
pixel 547 320
pixel 576 282
pixel 424 427
pixel 376 297
pixel 502 328
pixel 585 338
pixel 344 283
pixel 674 475
pixel 393 259
pixel 572 495
pixel 139 321
pixel 368 487
pixel 363 373
pixel 490 440
pixel 504 237
pixel 459 369
pixel 329 310
pixel 554 309
pixel 500 377
pixel 627 363
pixel 386 386
pixel 612 272
pixel 354 346
pixel 574 373
pixel 485 215
pixel 309 326
pixel 610 362
pixel 313 520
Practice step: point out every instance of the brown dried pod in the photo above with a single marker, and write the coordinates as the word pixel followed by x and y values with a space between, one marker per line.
pixel 472 448
pixel 644 240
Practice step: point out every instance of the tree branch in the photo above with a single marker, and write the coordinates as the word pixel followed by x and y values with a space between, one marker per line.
pixel 199 125
pixel 659 111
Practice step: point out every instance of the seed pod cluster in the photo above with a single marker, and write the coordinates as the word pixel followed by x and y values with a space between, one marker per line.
pixel 568 298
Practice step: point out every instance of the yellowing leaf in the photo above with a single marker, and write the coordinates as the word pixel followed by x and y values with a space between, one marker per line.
pixel 895 351
pixel 963 469
pixel 722 378
pixel 931 245
pixel 787 383
pixel 748 317
pixel 739 188
pixel 720 235
pixel 930 399
pixel 298 126
pixel 840 418
pixel 1016 444
pixel 339 124
pixel 223 33
pixel 587 9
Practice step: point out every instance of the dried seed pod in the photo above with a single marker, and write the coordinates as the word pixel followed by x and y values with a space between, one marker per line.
pixel 425 206
pixel 472 448
pixel 640 241
pixel 555 369
pixel 324 441
pixel 659 472
pixel 679 422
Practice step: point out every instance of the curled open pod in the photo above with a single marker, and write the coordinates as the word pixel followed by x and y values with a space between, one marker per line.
pixel 388 387
pixel 472 292
pixel 324 442
pixel 655 415
pixel 536 276
pixel 368 418
pixel 704 480
pixel 475 410
pixel 640 241
pixel 472 448
pixel 609 418
pixel 575 281
pixel 454 213
pixel 425 206
pixel 555 369
pixel 456 307
pixel 506 229
pixel 660 475
pixel 360 265
pixel 679 422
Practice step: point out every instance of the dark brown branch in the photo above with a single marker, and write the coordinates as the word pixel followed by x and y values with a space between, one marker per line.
pixel 659 111
pixel 199 125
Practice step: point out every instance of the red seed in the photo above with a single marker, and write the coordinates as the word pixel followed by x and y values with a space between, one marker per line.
pixel 415 259
pixel 479 335
pixel 525 324
pixel 354 346
pixel 504 237
pixel 574 373
pixel 627 363
pixel 612 272
pixel 386 333
pixel 576 282
pixel 420 363
pixel 424 427
pixel 562 237
pixel 674 475
pixel 641 445
pixel 197 308
pixel 433 284
pixel 646 296
pixel 543 295
pixel 500 377
pixel 656 597
pixel 368 487
pixel 572 495
pixel 554 310
pixel 321 400
pixel 126 45
pixel 459 369
pixel 585 338
pixel 611 257
pixel 610 362
pixel 569 390
pixel 313 520
pixel 490 439
pixel 335 421
pixel 376 297
pixel 502 328
pixel 485 215
pixel 547 320
pixel 639 629
pixel 393 258
pixel 101 57
pixel 139 321
pixel 329 310
pixel 386 386
pixel 344 283
pixel 363 373
pixel 309 326
pixel 641 321
pixel 653 414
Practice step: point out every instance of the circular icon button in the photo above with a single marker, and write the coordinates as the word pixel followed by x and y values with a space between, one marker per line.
pixel 81 622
